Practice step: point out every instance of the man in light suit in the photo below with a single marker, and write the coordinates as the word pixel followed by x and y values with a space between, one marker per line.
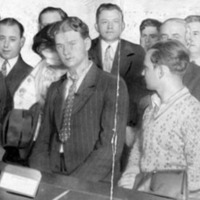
pixel 127 61
pixel 84 148
pixel 12 67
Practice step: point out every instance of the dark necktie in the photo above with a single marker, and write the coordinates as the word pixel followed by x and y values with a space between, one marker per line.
pixel 66 122
pixel 4 67
pixel 108 60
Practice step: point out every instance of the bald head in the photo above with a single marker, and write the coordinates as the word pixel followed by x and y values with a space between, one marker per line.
pixel 173 28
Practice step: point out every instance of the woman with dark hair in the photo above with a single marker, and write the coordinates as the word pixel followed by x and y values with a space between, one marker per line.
pixel 48 70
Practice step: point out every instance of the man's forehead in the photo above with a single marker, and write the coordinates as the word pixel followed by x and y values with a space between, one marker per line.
pixel 67 35
pixel 150 29
pixel 110 13
pixel 172 25
pixel 12 28
pixel 193 25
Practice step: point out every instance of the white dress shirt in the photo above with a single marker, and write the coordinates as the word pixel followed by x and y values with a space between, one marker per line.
pixel 10 63
pixel 81 75
pixel 104 46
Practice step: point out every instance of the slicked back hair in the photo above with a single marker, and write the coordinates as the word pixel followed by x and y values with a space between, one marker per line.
pixel 171 53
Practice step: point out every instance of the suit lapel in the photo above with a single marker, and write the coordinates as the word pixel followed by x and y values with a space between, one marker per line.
pixel 59 101
pixel 96 53
pixel 122 58
pixel 86 89
pixel 17 75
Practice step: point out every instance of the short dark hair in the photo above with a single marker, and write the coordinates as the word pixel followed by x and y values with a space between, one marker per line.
pixel 171 53
pixel 108 6
pixel 72 23
pixel 192 18
pixel 12 22
pixel 44 40
pixel 61 12
pixel 150 22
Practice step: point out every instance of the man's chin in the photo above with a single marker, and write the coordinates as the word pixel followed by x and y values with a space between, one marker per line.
pixel 6 56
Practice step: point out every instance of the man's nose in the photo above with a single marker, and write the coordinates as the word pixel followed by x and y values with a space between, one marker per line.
pixel 6 43
pixel 147 40
pixel 66 50
pixel 110 25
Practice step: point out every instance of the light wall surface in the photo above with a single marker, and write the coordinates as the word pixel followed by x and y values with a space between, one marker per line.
pixel 26 11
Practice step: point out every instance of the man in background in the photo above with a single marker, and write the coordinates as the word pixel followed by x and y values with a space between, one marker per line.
pixel 13 68
pixel 193 37
pixel 118 56
pixel 149 32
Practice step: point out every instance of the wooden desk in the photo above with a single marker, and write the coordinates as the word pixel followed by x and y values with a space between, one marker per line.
pixel 52 185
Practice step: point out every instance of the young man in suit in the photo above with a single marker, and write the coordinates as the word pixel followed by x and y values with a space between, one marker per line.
pixel 125 58
pixel 80 113
pixel 12 66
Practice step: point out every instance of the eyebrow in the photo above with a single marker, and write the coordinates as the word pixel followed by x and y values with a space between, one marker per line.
pixel 176 34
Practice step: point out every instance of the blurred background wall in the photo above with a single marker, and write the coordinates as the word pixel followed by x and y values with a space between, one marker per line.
pixel 26 11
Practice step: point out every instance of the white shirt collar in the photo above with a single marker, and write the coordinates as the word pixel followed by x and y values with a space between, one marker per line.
pixel 81 75
pixel 11 63
pixel 104 46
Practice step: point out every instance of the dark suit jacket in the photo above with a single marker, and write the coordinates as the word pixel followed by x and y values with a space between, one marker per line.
pixel 13 80
pixel 191 79
pixel 88 151
pixel 130 64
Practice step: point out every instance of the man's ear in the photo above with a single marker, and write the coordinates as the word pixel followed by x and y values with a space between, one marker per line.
pixel 163 70
pixel 123 26
pixel 96 27
pixel 23 39
pixel 88 43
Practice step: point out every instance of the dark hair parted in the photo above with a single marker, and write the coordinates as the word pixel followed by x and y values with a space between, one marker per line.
pixel 171 53
pixel 72 23
pixel 44 39
pixel 12 22
pixel 108 6
pixel 150 22
pixel 61 12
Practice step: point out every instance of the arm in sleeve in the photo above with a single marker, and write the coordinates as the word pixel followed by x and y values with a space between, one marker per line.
pixel 39 158
pixel 191 136
pixel 128 177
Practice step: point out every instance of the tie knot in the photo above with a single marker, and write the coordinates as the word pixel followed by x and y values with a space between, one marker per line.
pixel 5 61
pixel 109 52
pixel 108 49
pixel 73 77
